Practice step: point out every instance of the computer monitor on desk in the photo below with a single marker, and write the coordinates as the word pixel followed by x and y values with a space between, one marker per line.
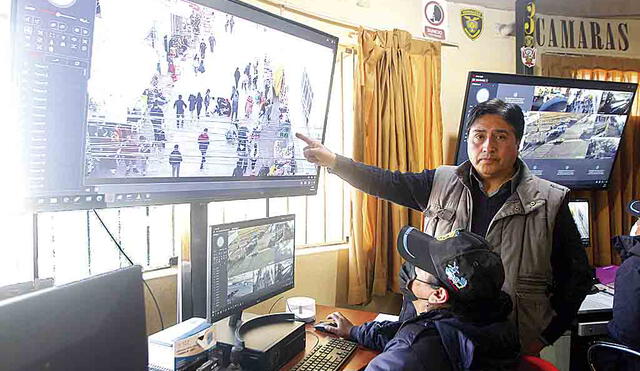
pixel 248 262
pixel 94 324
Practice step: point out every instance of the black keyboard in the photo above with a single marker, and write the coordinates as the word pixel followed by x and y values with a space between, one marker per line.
pixel 328 357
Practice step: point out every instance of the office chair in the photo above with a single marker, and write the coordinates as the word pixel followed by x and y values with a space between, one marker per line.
pixel 531 363
pixel 613 349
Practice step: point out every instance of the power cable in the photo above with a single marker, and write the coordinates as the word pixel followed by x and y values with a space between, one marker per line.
pixel 131 262
pixel 274 303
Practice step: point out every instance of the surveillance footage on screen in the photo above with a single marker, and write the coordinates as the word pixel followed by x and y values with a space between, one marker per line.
pixel 573 128
pixel 188 91
pixel 569 123
pixel 258 258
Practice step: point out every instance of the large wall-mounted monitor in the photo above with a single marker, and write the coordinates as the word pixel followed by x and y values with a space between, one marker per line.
pixel 248 262
pixel 573 127
pixel 144 102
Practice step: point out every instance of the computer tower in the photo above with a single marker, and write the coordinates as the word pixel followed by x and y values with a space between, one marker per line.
pixel 267 347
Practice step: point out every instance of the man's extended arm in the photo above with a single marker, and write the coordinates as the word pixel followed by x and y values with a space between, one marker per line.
pixel 406 189
pixel 572 274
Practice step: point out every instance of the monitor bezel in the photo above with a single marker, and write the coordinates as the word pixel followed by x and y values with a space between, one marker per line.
pixel 169 195
pixel 249 303
pixel 550 81
pixel 105 302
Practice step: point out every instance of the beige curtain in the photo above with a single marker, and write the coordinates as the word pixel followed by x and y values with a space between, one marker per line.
pixel 398 126
pixel 608 216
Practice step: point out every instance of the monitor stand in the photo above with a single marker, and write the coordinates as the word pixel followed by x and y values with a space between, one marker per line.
pixel 264 342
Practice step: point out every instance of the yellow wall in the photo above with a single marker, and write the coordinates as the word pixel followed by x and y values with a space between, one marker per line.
pixel 164 286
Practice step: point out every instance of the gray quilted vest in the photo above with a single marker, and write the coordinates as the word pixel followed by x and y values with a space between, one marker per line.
pixel 521 232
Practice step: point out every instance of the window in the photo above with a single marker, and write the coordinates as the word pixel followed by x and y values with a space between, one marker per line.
pixel 16 262
pixel 74 244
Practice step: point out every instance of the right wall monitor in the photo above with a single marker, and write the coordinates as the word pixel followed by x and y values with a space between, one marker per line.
pixel 573 128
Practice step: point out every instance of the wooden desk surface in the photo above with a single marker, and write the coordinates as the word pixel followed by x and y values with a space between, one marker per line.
pixel 359 359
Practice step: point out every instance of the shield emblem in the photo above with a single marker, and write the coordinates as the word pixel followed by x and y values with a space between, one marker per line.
pixel 471 22
pixel 528 56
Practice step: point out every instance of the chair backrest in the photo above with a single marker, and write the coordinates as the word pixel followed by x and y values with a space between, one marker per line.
pixel 531 363
pixel 610 348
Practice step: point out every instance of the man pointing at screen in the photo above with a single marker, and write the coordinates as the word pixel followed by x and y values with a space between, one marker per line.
pixel 525 218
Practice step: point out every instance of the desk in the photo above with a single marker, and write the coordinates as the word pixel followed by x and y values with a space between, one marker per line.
pixel 594 314
pixel 359 359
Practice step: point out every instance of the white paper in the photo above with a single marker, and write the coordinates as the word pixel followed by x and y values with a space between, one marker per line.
pixel 599 301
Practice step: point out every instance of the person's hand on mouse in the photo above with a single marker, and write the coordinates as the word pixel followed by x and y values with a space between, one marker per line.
pixel 343 325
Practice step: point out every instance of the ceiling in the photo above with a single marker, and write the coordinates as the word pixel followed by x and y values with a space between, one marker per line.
pixel 570 8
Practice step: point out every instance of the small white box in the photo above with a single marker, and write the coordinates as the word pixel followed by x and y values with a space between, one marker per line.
pixel 180 345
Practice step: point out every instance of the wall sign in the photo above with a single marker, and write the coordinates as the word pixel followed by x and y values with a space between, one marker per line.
pixel 435 23
pixel 585 35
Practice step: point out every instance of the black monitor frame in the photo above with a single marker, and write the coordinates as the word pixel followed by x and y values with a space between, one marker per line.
pixel 236 311
pixel 97 323
pixel 545 81
pixel 123 192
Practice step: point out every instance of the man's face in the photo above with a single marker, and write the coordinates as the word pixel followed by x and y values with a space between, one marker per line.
pixel 492 147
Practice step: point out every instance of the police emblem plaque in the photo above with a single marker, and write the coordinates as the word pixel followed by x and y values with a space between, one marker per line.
pixel 528 56
pixel 471 22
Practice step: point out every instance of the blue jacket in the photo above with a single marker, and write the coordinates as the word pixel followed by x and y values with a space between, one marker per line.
pixel 626 301
pixel 439 340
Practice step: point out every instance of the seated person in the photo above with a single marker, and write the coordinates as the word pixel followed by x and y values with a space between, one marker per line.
pixel 462 313
pixel 624 326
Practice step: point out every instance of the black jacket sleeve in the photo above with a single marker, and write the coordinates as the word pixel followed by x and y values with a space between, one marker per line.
pixel 572 274
pixel 406 189
pixel 375 335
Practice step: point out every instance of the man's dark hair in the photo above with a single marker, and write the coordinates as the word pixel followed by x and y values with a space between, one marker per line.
pixel 511 113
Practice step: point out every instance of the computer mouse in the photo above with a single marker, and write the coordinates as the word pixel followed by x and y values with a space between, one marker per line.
pixel 322 325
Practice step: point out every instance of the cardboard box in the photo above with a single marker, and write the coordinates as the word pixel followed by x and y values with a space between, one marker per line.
pixel 181 345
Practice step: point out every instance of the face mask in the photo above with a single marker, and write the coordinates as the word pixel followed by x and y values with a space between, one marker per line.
pixel 407 293
pixel 408 275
